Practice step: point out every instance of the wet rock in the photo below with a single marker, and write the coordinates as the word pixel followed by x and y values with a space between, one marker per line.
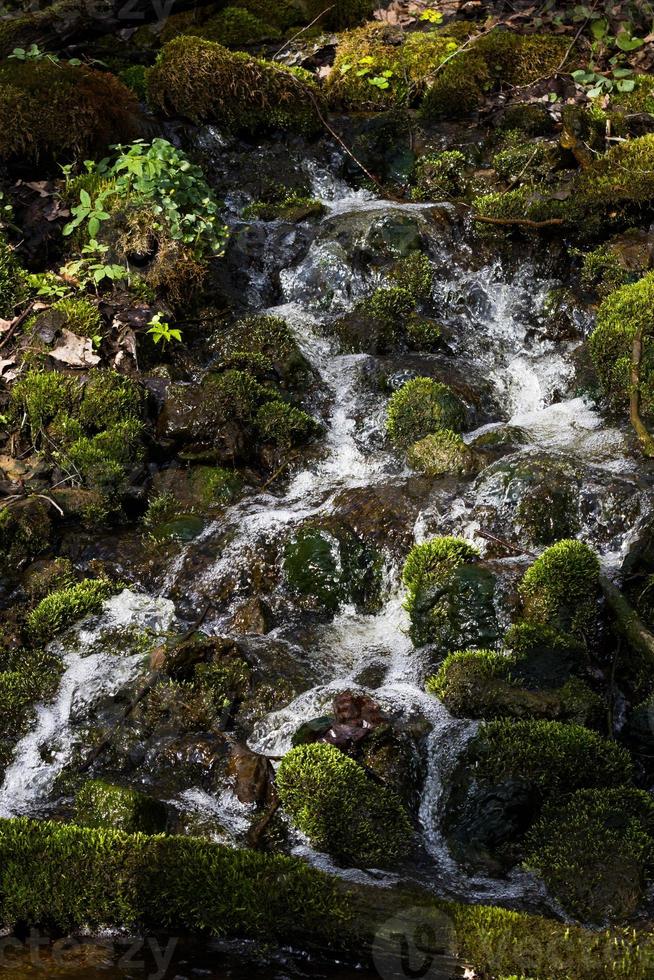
pixel 252 775
pixel 254 616
pixel 175 763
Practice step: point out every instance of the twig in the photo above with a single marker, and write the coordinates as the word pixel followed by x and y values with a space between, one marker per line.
pixel 576 38
pixel 300 33
pixel 520 222
pixel 516 179
pixel 18 322
pixel 505 544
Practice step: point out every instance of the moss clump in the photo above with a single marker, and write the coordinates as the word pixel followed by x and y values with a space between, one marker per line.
pixel 108 399
pixel 531 201
pixel 367 53
pixel 450 596
pixel 284 425
pixel 270 338
pixel 420 407
pixel 104 461
pixel 79 315
pixel 26 677
pixel 235 27
pixel 602 271
pixel 439 175
pixel 331 566
pixel 521 159
pixel 12 281
pixel 135 78
pixel 554 758
pixel 290 207
pixel 99 804
pixel 87 110
pixel 594 852
pixel 41 396
pixel 340 809
pixel 215 485
pixel 117 879
pixel 25 531
pixel 66 606
pixel 495 60
pixel 441 453
pixel 620 317
pixel 207 83
pixel 413 274
pixel 561 588
pixel 488 684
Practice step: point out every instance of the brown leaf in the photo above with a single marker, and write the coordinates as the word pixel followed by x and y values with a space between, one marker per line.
pixel 74 351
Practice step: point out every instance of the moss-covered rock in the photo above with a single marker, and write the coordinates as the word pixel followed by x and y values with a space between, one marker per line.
pixel 284 425
pixel 561 588
pixel 520 159
pixel 235 27
pixel 620 317
pixel 339 808
pixel 64 607
pixel 495 60
pixel 26 531
pixel 99 804
pixel 544 657
pixel 329 565
pixel 487 684
pixel 378 66
pixel 439 175
pixel 12 281
pixel 271 339
pixel 205 82
pixel 421 407
pixel 595 851
pixel 87 111
pixel 441 453
pixel 449 595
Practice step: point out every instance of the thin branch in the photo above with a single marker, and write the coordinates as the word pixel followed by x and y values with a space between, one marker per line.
pixel 644 436
pixel 520 222
pixel 300 33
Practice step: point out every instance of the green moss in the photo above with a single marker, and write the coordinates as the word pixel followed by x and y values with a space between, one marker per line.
pixel 487 684
pixel 291 207
pixel 41 396
pixel 449 595
pixel 620 316
pixel 495 60
pixel 228 681
pixel 331 566
pixel 117 879
pixel 602 271
pixel 640 99
pixel 271 338
pixel 284 425
pixel 439 175
pixel 561 588
pixel 531 118
pixel 215 485
pixel 521 159
pixel 420 407
pixel 103 462
pixel 87 110
pixel 80 316
pixel 135 78
pixel 27 676
pixel 12 281
pixel 594 851
pixel 340 809
pixel 25 532
pixel 368 52
pixel 101 805
pixel 61 609
pixel 531 201
pixel 415 275
pixel 235 27
pixel 441 453
pixel 342 14
pixel 207 83
pixel 109 398
pixel 555 758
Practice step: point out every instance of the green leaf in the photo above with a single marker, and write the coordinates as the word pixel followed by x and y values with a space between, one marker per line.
pixel 94 226
pixel 626 43
pixel 626 85
pixel 85 198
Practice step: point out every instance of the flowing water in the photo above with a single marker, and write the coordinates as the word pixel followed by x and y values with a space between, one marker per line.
pixel 492 312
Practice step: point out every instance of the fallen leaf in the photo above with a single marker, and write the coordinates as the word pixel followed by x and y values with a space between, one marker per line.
pixel 75 351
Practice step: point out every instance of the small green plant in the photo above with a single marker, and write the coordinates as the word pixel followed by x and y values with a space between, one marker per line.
pixel 92 268
pixel 86 210
pixel 432 16
pixel 48 285
pixel 33 53
pixel 365 68
pixel 161 331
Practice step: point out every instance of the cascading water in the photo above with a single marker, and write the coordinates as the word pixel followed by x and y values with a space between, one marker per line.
pixel 488 314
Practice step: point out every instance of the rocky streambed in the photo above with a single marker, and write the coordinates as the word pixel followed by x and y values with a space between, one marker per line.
pixel 326 533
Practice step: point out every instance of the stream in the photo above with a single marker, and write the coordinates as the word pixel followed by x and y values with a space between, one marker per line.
pixel 493 313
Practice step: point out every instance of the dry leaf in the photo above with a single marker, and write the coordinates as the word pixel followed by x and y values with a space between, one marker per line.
pixel 74 351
